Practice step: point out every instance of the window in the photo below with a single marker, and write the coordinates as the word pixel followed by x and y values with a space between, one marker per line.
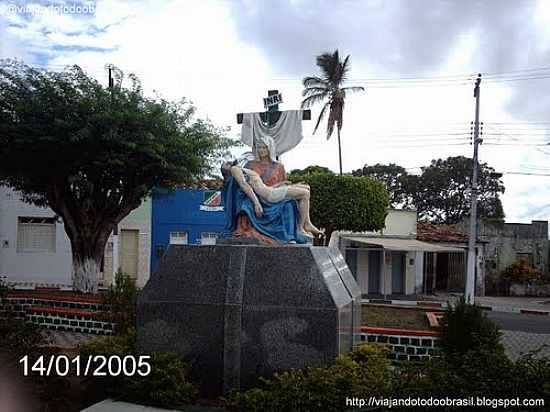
pixel 36 234
pixel 208 238
pixel 178 238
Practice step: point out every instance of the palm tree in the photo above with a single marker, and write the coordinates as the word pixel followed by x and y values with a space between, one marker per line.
pixel 329 86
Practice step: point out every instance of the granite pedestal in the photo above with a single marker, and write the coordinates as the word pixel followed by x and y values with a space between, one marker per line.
pixel 238 312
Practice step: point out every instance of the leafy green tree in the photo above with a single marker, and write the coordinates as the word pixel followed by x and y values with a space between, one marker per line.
pixel 443 193
pixel 345 202
pixel 394 177
pixel 92 154
pixel 329 86
pixel 298 173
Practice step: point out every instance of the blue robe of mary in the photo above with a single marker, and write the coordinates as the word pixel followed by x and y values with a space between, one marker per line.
pixel 279 220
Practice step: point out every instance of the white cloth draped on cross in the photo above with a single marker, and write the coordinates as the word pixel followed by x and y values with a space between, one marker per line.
pixel 286 132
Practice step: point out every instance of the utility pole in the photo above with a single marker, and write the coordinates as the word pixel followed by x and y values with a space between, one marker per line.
pixel 469 293
pixel 115 74
pixel 109 67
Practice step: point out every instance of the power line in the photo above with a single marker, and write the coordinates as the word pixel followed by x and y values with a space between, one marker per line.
pixel 519 70
pixel 517 144
pixel 522 123
pixel 513 138
pixel 535 167
pixel 526 173
pixel 411 81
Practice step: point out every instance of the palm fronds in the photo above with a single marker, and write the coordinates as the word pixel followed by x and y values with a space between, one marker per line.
pixel 334 73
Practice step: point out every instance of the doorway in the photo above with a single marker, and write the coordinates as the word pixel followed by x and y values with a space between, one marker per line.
pixel 374 262
pixel 129 249
pixel 398 273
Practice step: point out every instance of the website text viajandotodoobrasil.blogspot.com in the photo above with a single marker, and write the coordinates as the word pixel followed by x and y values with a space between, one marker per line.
pixel 472 401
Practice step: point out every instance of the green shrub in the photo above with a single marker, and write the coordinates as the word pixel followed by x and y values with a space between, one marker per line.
pixel 166 386
pixel 20 338
pixel 531 377
pixel 4 289
pixel 465 327
pixel 364 371
pixel 479 372
pixel 350 203
pixel 121 298
pixel 118 345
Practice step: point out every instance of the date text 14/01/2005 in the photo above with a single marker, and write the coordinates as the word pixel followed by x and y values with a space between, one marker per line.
pixel 98 365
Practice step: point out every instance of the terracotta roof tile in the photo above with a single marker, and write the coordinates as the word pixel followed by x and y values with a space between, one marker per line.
pixel 210 184
pixel 429 232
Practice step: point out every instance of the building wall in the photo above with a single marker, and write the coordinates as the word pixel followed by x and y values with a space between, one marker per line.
pixel 140 220
pixel 419 272
pixel 31 267
pixel 412 269
pixel 386 276
pixel 410 272
pixel 362 270
pixel 180 211
pixel 400 223
pixel 507 242
pixel 54 268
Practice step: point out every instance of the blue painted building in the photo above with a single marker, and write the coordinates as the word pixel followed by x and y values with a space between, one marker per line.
pixel 186 216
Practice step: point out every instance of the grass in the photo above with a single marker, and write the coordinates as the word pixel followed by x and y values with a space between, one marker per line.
pixel 401 318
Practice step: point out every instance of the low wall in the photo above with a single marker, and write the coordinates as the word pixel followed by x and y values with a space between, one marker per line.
pixel 64 312
pixel 405 344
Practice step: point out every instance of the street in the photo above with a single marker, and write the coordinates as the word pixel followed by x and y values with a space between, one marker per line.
pixel 523 333
pixel 518 322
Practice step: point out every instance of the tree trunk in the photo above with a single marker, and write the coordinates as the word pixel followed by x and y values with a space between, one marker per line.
pixel 88 229
pixel 85 275
pixel 87 253
pixel 339 151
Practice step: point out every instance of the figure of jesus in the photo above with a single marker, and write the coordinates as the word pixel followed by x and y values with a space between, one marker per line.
pixel 253 186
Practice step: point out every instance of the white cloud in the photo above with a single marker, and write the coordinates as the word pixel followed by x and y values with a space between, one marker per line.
pixel 193 49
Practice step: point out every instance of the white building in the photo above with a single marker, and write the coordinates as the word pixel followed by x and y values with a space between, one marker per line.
pixel 389 262
pixel 35 250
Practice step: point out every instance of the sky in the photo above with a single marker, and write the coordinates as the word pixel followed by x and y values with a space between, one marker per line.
pixel 417 60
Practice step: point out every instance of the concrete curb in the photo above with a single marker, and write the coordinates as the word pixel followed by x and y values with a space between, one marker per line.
pixel 443 305
pixel 414 303
pixel 506 309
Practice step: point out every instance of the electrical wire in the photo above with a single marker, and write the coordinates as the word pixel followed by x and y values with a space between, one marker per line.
pixel 514 138
pixel 411 81
pixel 526 173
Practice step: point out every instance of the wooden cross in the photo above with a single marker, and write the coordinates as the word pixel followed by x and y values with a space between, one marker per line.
pixel 271 116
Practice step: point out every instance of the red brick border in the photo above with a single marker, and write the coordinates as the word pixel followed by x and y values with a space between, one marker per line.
pixel 54 297
pixel 533 312
pixel 429 304
pixel 401 332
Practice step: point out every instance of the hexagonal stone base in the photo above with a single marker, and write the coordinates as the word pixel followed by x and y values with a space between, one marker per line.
pixel 240 312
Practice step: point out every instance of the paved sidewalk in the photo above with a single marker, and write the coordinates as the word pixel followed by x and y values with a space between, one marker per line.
pixel 517 343
pixel 526 305
pixel 66 340
pixel 508 304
